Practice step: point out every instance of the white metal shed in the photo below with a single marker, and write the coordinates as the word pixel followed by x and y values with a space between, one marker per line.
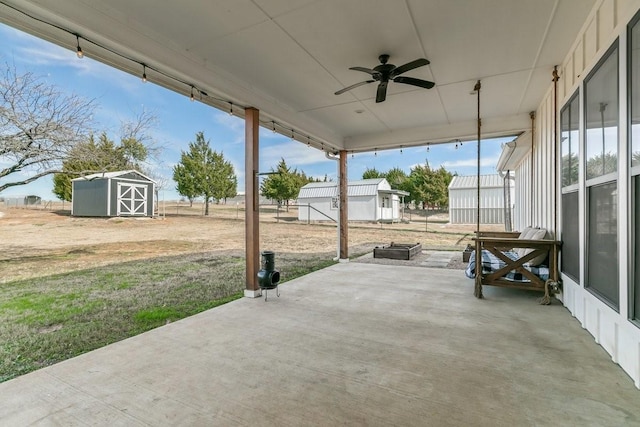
pixel 463 199
pixel 368 200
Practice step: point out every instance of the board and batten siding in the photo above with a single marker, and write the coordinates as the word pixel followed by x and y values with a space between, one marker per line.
pixel 90 198
pixel 538 193
pixel 463 196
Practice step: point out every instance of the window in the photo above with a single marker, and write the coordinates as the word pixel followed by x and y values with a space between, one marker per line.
pixel 569 123
pixel 335 203
pixel 634 90
pixel 635 291
pixel 602 265
pixel 634 142
pixel 570 137
pixel 601 116
pixel 570 236
pixel 601 157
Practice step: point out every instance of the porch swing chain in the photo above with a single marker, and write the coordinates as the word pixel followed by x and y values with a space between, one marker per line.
pixel 532 115
pixel 478 280
pixel 556 77
pixel 477 88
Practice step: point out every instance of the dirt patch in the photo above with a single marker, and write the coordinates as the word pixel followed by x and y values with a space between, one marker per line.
pixel 41 242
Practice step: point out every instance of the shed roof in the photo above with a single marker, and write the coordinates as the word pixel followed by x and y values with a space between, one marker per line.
pixel 364 187
pixel 115 174
pixel 466 182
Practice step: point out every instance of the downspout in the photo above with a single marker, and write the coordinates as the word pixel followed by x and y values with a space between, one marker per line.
pixel 510 147
pixel 334 157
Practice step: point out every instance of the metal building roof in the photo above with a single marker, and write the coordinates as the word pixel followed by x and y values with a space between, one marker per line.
pixel 108 175
pixel 364 187
pixel 466 182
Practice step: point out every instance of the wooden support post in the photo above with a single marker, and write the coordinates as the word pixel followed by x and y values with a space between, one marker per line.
pixel 252 212
pixel 344 208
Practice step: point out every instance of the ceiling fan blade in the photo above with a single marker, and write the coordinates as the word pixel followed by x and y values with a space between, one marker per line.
pixel 374 73
pixel 409 66
pixel 381 95
pixel 414 82
pixel 348 88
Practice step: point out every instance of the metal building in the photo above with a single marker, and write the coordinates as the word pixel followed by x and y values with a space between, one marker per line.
pixel 109 194
pixel 369 200
pixel 463 199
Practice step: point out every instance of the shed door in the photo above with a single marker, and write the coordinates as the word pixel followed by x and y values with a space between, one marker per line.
pixel 132 199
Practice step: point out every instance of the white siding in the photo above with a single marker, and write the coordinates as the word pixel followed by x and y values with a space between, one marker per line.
pixel 463 200
pixel 361 208
pixel 537 199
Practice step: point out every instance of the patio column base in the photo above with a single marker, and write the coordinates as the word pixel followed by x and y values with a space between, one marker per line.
pixel 253 294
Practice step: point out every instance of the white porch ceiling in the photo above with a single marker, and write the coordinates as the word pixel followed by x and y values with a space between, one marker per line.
pixel 288 57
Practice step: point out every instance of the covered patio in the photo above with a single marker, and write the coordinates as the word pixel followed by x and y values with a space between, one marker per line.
pixel 350 344
pixel 376 344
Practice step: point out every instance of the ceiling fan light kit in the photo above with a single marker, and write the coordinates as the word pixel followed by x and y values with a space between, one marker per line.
pixel 386 72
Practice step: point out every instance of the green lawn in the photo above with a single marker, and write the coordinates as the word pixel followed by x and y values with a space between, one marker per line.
pixel 49 319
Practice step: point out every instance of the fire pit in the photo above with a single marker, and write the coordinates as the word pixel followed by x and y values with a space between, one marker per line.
pixel 405 251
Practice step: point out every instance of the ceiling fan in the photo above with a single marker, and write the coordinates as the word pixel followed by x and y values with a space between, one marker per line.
pixel 384 73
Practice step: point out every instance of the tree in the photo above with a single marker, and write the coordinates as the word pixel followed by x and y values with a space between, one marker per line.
pixel 429 186
pixel 372 173
pixel 39 127
pixel 90 157
pixel 185 181
pixel 204 172
pixel 284 184
pixel 225 182
pixel 396 177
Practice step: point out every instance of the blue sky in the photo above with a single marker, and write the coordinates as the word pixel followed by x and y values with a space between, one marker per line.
pixel 120 97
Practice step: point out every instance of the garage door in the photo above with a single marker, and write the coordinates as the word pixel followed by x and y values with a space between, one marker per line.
pixel 132 199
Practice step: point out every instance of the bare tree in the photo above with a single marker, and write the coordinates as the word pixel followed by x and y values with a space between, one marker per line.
pixel 39 126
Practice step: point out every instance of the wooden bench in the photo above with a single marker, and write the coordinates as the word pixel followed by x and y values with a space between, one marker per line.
pixel 496 243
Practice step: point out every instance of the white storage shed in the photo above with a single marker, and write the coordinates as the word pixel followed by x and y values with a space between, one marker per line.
pixel 368 200
pixel 463 199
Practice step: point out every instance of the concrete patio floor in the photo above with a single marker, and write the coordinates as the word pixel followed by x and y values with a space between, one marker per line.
pixel 353 344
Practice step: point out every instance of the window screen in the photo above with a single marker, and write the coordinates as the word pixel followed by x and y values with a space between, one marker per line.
pixel 634 89
pixel 602 245
pixel 570 237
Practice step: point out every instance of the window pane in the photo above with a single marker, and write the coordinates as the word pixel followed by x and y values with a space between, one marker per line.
pixel 569 124
pixel 636 290
pixel 601 117
pixel 602 258
pixel 570 243
pixel 634 75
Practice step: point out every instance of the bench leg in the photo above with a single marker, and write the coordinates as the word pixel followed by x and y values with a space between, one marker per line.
pixel 478 288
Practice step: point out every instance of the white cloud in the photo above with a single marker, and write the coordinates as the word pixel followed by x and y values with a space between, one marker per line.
pixel 295 154
pixel 484 162
pixel 233 124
